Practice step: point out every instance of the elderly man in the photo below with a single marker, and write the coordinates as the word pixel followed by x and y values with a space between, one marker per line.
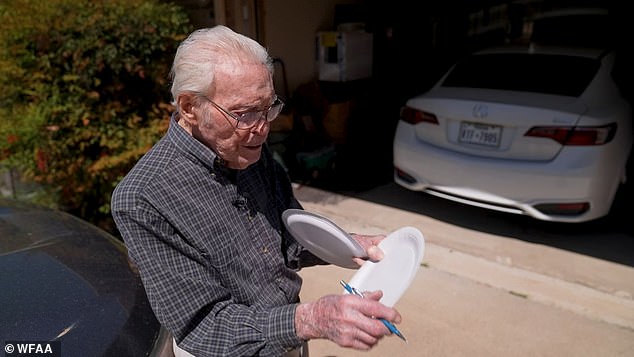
pixel 201 216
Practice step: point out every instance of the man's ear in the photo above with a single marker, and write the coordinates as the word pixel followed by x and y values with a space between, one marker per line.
pixel 188 107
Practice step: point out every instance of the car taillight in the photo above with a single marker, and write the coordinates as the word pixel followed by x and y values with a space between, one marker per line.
pixel 413 116
pixel 580 136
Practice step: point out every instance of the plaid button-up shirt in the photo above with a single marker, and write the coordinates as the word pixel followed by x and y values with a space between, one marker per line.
pixel 217 264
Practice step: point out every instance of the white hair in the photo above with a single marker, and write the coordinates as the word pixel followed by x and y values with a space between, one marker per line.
pixel 198 56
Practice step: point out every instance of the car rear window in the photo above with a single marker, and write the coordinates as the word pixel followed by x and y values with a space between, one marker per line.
pixel 550 74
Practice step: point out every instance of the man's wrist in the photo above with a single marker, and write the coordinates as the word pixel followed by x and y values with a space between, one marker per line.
pixel 304 322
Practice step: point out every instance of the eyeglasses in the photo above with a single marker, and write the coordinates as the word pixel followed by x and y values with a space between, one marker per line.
pixel 248 120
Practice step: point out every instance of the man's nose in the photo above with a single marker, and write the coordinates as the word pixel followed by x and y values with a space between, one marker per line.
pixel 261 127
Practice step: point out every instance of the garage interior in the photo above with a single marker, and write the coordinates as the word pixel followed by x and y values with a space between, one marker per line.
pixel 346 67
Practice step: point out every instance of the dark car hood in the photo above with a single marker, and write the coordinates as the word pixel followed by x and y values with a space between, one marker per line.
pixel 63 279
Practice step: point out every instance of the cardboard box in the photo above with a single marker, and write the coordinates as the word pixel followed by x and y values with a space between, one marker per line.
pixel 336 120
pixel 284 122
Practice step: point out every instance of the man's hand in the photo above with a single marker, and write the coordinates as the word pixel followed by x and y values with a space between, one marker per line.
pixel 369 244
pixel 347 320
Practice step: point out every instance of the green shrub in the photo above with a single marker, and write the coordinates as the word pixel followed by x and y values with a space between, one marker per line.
pixel 84 93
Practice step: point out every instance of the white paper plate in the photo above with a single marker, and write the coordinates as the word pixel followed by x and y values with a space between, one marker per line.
pixel 404 250
pixel 323 238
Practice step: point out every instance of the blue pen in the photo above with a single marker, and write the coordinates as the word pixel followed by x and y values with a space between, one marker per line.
pixel 387 324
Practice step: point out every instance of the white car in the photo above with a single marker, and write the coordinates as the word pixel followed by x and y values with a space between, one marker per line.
pixel 538 131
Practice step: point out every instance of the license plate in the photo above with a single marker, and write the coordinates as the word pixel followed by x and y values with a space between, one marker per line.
pixel 480 134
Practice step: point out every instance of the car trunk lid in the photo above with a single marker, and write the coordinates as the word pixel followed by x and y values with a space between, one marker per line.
pixel 490 123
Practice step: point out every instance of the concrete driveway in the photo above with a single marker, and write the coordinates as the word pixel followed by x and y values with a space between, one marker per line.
pixel 490 284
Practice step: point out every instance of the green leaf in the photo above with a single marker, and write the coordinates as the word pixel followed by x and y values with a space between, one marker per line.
pixel 84 85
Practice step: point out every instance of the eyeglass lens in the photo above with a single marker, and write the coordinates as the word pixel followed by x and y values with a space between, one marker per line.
pixel 248 120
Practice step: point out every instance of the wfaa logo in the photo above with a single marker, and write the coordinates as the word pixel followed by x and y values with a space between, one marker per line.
pixel 33 348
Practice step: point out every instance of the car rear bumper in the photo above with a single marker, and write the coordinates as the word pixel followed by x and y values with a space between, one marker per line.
pixel 508 185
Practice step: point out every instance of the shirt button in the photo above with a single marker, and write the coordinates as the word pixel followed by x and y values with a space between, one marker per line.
pixel 265 250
